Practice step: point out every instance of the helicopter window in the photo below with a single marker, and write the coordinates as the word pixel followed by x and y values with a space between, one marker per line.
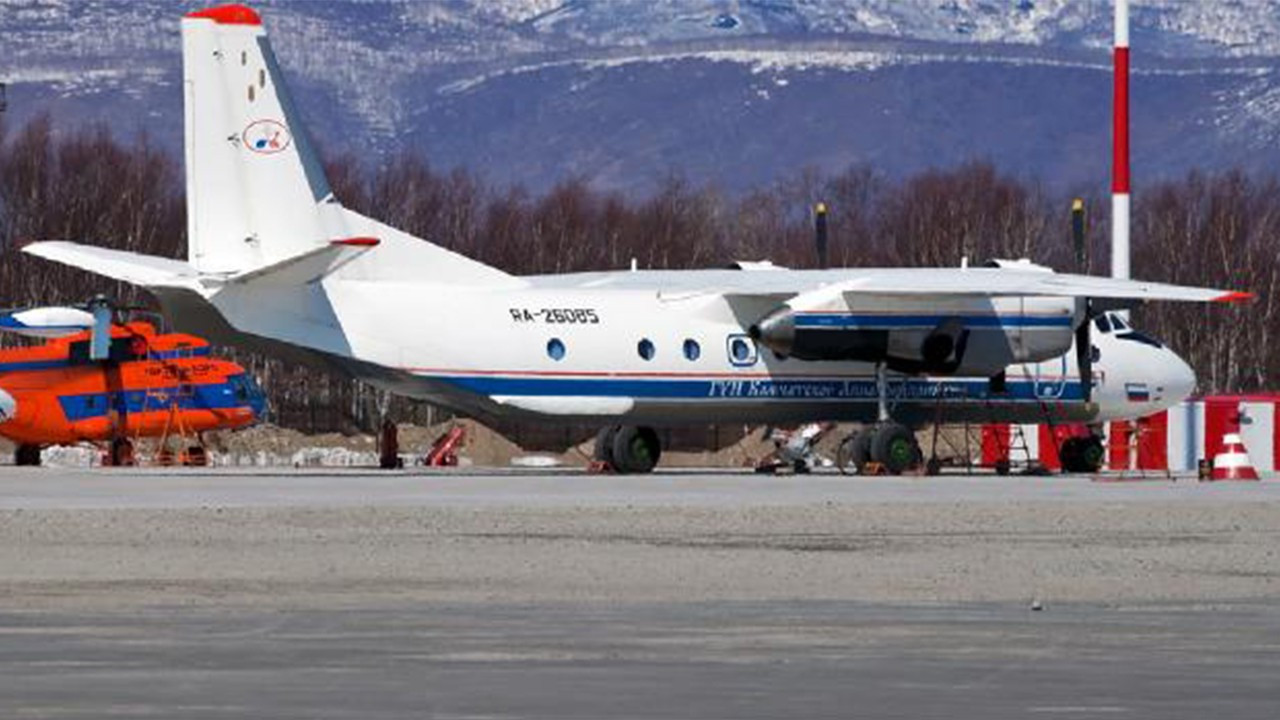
pixel 1103 323
pixel 239 387
pixel 122 349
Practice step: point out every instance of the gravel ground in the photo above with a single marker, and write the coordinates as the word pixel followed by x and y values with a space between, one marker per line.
pixel 1104 551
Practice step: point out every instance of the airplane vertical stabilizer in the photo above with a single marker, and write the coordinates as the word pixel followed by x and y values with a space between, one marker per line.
pixel 256 192
pixel 256 188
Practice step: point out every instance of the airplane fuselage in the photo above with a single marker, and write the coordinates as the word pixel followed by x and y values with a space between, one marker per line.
pixel 620 346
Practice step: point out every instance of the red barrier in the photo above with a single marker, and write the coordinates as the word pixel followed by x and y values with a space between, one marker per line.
pixel 1153 442
pixel 995 444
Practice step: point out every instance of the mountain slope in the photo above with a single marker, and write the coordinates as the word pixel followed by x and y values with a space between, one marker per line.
pixel 735 92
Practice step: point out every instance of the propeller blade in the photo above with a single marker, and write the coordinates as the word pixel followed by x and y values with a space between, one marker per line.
pixel 103 315
pixel 1077 234
pixel 1084 351
pixel 820 233
pixel 46 322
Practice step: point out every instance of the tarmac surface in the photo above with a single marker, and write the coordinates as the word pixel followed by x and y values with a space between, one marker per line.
pixel 319 594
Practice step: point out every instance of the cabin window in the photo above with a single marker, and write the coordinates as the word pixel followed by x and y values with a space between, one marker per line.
pixel 555 349
pixel 742 351
pixel 244 57
pixel 262 78
pixel 692 351
pixel 250 93
pixel 645 349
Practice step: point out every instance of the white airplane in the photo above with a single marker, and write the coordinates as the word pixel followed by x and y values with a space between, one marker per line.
pixel 274 259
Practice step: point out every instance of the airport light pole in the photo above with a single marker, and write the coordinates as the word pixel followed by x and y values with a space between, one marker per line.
pixel 1120 146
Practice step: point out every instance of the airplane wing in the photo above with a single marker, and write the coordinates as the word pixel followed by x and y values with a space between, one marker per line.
pixel 995 282
pixel 988 282
pixel 780 285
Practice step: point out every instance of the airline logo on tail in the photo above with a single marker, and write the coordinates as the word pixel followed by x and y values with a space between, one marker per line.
pixel 266 137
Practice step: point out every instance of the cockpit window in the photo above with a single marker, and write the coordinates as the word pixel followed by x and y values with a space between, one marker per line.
pixel 1136 336
pixel 245 388
pixel 1118 323
pixel 1103 323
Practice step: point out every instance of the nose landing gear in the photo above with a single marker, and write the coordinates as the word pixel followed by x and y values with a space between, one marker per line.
pixel 1082 454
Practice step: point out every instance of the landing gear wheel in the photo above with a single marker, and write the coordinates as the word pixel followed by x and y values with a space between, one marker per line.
pixel 1082 454
pixel 195 456
pixel 121 453
pixel 603 453
pixel 894 446
pixel 27 455
pixel 854 452
pixel 1003 467
pixel 1094 454
pixel 635 449
pixel 933 466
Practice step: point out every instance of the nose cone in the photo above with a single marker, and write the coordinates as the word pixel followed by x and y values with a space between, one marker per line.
pixel 1179 380
pixel 8 407
pixel 258 404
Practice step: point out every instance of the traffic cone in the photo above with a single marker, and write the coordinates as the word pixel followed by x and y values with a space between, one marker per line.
pixel 1232 462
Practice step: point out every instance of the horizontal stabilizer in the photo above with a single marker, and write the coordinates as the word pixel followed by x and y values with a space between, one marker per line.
pixel 133 268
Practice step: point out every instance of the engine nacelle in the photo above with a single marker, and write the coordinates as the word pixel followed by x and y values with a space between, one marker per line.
pixel 979 337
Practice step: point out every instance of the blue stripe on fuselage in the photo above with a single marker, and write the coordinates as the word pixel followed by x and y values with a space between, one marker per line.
pixel 926 321
pixel 214 396
pixel 763 388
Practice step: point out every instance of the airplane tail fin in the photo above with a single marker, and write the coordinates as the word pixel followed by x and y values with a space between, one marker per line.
pixel 256 189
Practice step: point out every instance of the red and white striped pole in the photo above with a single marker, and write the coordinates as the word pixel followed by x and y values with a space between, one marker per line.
pixel 1120 147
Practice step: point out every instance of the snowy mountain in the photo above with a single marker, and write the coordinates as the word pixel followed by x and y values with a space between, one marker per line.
pixel 737 92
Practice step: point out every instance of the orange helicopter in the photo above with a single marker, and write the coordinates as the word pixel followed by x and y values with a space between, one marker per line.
pixel 96 380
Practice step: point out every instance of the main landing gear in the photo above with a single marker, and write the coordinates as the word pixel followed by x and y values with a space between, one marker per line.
pixel 27 455
pixel 887 447
pixel 627 449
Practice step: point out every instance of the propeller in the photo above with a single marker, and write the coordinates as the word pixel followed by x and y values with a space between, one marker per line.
pixel 46 322
pixel 1084 336
pixel 96 314
pixel 820 234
